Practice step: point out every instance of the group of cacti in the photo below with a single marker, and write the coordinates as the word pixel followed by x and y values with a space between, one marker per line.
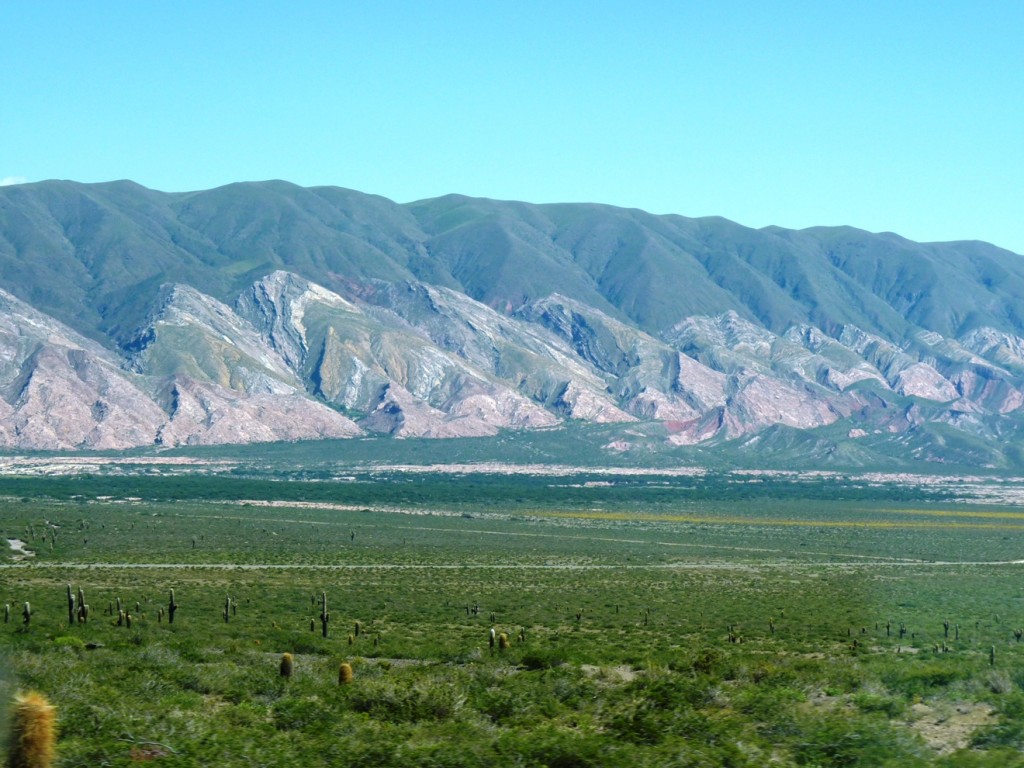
pixel 500 639
pixel 287 669
pixel 26 613
pixel 78 609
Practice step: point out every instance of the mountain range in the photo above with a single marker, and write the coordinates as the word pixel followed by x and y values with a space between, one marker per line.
pixel 266 311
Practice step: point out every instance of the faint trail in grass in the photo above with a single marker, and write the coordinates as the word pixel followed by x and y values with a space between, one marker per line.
pixel 709 566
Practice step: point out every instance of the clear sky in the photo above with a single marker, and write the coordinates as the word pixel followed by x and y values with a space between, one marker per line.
pixel 901 116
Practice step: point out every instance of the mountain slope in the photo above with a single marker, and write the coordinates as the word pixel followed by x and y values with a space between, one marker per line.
pixel 266 311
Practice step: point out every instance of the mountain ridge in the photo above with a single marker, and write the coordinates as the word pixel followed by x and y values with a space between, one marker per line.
pixel 264 310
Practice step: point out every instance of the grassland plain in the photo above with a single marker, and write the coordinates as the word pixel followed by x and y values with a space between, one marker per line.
pixel 675 619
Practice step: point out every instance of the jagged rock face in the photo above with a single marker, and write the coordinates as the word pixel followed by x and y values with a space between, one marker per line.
pixel 293 360
pixel 536 362
pixel 205 414
pixel 62 391
pixel 277 305
pixel 199 337
pixel 376 363
pixel 69 399
pixel 644 374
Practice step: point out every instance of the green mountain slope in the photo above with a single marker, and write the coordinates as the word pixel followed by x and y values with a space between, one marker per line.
pixel 257 311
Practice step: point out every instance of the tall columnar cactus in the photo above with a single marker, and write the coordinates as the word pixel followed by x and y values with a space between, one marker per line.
pixel 287 664
pixel 72 615
pixel 7 613
pixel 172 606
pixel 227 609
pixel 325 615
pixel 33 732
pixel 26 614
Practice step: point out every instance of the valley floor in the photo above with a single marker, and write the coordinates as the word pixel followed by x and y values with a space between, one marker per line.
pixel 641 619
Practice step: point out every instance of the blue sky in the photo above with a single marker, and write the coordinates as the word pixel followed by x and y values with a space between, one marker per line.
pixel 901 116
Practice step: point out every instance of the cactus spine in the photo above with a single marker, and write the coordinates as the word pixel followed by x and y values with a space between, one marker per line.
pixel 287 665
pixel 33 732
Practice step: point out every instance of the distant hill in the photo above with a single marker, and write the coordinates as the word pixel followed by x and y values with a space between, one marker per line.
pixel 267 311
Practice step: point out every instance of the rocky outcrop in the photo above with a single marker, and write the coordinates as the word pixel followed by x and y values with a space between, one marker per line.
pixel 369 360
pixel 206 414
pixel 295 361
pixel 188 382
pixel 62 391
